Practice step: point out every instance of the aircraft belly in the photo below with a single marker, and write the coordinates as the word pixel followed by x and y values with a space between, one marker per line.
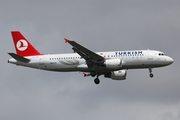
pixel 142 64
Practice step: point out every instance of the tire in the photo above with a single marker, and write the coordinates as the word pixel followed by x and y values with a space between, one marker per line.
pixel 151 75
pixel 96 81
pixel 93 74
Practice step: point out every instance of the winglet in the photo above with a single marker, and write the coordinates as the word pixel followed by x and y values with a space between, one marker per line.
pixel 66 40
pixel 85 74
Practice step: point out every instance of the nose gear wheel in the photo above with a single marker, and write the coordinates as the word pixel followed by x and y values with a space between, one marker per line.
pixel 150 71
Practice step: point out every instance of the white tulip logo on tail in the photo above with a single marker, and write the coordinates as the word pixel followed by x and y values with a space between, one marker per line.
pixel 22 45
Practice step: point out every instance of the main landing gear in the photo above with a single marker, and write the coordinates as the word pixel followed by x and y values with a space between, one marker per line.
pixel 93 73
pixel 150 71
pixel 96 80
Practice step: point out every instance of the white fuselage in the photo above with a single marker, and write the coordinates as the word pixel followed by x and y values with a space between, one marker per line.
pixel 133 59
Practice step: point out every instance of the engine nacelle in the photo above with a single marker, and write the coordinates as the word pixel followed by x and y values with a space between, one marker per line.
pixel 117 75
pixel 113 64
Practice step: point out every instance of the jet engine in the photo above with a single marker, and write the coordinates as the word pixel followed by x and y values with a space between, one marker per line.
pixel 117 75
pixel 113 64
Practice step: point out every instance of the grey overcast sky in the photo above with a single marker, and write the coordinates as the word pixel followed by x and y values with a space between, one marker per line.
pixel 106 25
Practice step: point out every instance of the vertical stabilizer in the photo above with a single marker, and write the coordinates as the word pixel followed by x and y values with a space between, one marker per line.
pixel 22 45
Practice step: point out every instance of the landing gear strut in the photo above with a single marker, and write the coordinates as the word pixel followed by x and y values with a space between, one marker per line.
pixel 93 74
pixel 150 71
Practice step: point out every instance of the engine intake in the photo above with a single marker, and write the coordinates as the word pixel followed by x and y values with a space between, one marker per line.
pixel 117 75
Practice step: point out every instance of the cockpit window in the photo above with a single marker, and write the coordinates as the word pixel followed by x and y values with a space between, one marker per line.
pixel 161 54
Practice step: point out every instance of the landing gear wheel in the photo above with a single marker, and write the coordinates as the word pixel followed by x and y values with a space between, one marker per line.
pixel 96 81
pixel 93 73
pixel 151 75
pixel 150 71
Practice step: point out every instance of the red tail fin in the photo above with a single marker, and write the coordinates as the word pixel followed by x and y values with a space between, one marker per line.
pixel 22 45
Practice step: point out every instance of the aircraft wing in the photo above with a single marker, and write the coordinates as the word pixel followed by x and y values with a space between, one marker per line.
pixel 88 55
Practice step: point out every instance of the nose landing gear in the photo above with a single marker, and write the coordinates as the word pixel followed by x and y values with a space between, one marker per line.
pixel 150 71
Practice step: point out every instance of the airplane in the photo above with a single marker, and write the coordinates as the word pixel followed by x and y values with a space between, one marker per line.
pixel 112 64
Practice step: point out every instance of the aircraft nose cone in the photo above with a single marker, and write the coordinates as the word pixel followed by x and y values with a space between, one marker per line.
pixel 170 60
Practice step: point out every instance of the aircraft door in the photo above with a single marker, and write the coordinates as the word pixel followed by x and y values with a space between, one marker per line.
pixel 150 56
pixel 41 61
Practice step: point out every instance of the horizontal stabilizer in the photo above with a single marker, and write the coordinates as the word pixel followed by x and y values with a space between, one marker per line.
pixel 19 58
